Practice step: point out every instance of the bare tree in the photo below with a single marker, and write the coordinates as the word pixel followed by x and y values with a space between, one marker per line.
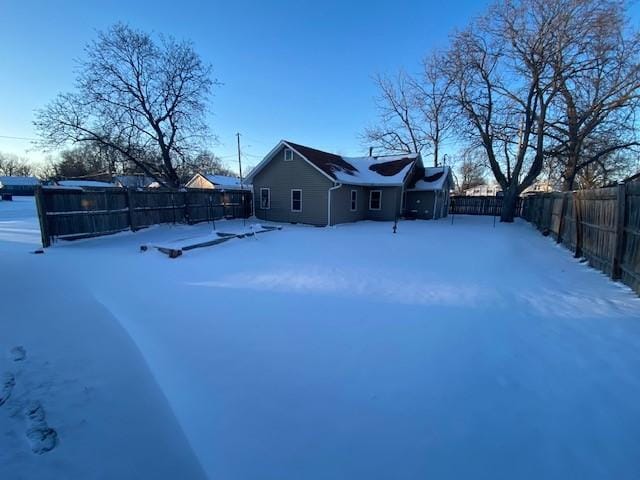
pixel 205 162
pixel 432 97
pixel 471 168
pixel 414 114
pixel 607 170
pixel 142 98
pixel 399 127
pixel 598 71
pixel 13 165
pixel 503 86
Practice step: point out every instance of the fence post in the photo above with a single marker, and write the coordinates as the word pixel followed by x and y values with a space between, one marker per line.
pixel 187 208
pixel 42 217
pixel 563 210
pixel 577 205
pixel 618 253
pixel 131 208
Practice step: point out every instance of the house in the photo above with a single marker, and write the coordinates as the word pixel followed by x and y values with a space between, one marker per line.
pixel 427 196
pixel 541 186
pixel 133 181
pixel 300 184
pixel 19 186
pixel 483 191
pixel 86 184
pixel 222 182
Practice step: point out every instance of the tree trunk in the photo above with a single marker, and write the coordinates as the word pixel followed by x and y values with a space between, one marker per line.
pixel 569 175
pixel 435 154
pixel 509 204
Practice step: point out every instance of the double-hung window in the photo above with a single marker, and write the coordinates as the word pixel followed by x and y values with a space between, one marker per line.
pixel 288 155
pixel 354 200
pixel 375 199
pixel 296 200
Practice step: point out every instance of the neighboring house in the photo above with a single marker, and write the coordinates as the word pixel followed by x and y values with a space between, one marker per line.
pixel 300 184
pixel 427 197
pixel 483 191
pixel 541 186
pixel 10 185
pixel 133 181
pixel 222 182
pixel 86 184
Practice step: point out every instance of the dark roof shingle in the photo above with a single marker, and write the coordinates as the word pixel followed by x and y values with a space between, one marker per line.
pixel 325 161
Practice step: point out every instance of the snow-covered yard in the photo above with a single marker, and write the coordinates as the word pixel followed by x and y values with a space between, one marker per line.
pixel 444 351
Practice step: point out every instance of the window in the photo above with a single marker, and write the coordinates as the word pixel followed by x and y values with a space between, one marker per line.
pixel 296 200
pixel 354 200
pixel 265 198
pixel 375 199
pixel 288 154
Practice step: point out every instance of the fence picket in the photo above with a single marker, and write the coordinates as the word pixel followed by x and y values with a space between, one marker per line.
pixel 77 213
pixel 601 225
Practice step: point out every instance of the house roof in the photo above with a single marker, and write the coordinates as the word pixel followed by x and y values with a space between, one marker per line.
pixel 434 178
pixel 222 181
pixel 18 181
pixel 225 181
pixel 384 170
pixel 381 170
pixel 85 183
pixel 133 181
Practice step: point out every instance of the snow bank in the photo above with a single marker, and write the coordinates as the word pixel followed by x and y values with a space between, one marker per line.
pixel 82 401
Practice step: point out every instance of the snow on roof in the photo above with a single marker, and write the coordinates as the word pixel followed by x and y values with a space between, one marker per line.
pixel 385 170
pixel 18 181
pixel 434 178
pixel 226 181
pixel 133 181
pixel 85 183
pixel 382 170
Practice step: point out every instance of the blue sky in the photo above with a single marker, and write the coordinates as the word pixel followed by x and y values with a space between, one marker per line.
pixel 295 70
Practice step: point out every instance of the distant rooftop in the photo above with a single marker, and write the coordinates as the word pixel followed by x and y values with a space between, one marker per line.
pixel 85 183
pixel 18 181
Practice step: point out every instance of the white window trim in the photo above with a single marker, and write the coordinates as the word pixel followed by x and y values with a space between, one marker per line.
pixel 288 150
pixel 353 202
pixel 268 190
pixel 296 190
pixel 371 192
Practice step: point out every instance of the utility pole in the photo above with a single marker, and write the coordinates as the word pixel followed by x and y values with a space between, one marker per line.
pixel 244 220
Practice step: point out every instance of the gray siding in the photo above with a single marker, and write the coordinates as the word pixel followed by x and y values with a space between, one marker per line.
pixel 428 204
pixel 341 204
pixel 281 177
pixel 422 203
pixel 391 203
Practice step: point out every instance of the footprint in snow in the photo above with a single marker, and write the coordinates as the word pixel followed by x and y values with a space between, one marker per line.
pixel 7 383
pixel 18 353
pixel 41 437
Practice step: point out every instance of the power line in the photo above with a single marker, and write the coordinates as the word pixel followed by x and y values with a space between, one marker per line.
pixel 18 138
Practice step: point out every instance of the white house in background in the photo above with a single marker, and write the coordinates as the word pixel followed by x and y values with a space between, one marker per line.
pixel 483 191
pixel 218 182
pixel 133 181
pixel 541 186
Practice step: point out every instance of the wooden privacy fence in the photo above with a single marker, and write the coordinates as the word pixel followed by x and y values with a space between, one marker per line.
pixel 600 225
pixel 72 213
pixel 479 205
